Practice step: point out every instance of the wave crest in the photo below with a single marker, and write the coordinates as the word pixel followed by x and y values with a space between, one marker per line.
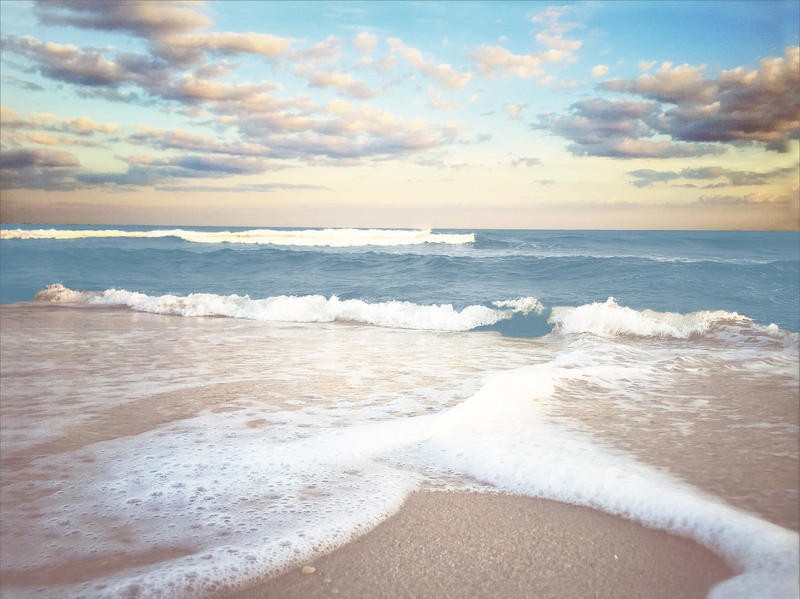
pixel 307 237
pixel 609 319
pixel 306 308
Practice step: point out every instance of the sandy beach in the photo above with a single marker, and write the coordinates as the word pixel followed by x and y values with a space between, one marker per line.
pixel 493 545
pixel 146 486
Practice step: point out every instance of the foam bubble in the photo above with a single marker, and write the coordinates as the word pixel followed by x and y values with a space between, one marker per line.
pixel 308 237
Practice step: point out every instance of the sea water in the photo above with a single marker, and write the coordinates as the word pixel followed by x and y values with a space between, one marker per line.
pixel 186 409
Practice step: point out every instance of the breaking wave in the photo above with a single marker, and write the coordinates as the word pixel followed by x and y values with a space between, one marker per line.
pixel 603 319
pixel 306 308
pixel 609 319
pixel 307 237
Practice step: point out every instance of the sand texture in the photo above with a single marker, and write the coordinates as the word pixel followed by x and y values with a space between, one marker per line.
pixel 488 545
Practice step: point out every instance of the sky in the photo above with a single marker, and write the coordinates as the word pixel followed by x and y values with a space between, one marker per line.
pixel 615 115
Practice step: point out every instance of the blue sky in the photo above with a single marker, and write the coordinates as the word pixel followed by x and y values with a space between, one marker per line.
pixel 444 114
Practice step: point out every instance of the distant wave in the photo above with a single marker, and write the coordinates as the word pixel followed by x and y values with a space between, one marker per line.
pixel 307 237
pixel 306 308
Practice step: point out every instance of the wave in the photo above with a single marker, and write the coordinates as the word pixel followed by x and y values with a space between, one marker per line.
pixel 609 319
pixel 602 319
pixel 306 308
pixel 306 237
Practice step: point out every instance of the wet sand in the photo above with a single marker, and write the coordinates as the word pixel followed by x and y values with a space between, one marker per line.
pixel 491 545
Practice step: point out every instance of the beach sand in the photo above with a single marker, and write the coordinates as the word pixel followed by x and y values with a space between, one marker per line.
pixel 491 545
pixel 454 544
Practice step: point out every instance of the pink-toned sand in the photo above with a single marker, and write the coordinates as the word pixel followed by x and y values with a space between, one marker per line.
pixel 486 545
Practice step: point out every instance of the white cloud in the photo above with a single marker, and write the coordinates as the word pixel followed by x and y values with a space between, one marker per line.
pixel 343 82
pixel 550 14
pixel 513 110
pixel 497 60
pixel 646 65
pixel 599 70
pixel 437 101
pixel 365 42
pixel 446 75
pixel 494 60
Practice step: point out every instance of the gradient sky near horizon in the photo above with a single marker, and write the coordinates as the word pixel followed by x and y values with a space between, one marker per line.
pixel 401 114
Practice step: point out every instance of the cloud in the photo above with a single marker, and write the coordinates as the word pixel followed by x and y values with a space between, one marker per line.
pixel 83 126
pixel 496 60
pixel 365 42
pixel 209 165
pixel 343 130
pixel 437 101
pixel 37 168
pixel 678 112
pixel 243 188
pixel 190 48
pixel 184 140
pixel 740 105
pixel 328 51
pixel 724 177
pixel 23 84
pixel 175 73
pixel 513 110
pixel 668 84
pixel 550 14
pixel 526 161
pixel 479 139
pixel 142 18
pixel 492 61
pixel 446 75
pixel 750 199
pixel 599 70
pixel 646 65
pixel 41 138
pixel 171 28
pixel 342 82
pixel 146 171
pixel 27 158
pixel 618 129
pixel 87 66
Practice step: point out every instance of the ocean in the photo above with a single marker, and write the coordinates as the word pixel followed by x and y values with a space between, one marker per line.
pixel 188 409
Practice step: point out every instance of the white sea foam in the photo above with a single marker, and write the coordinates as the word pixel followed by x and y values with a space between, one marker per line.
pixel 609 319
pixel 500 436
pixel 266 501
pixel 526 305
pixel 307 237
pixel 306 308
pixel 247 500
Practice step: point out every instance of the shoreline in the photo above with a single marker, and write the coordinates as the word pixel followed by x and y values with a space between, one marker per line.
pixel 465 544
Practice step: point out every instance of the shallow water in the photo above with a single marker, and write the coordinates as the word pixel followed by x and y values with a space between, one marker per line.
pixel 159 455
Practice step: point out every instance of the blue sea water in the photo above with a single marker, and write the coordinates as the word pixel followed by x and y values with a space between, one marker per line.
pixel 754 274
